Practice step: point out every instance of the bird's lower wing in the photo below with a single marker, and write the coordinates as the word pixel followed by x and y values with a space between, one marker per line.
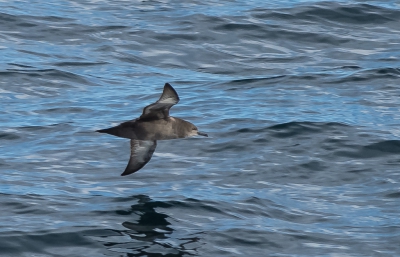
pixel 141 153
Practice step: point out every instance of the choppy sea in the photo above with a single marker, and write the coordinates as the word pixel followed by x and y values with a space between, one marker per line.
pixel 300 98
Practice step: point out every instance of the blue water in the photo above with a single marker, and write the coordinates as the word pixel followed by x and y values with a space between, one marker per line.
pixel 300 99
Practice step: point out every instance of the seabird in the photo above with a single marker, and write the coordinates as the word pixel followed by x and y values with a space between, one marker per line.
pixel 154 124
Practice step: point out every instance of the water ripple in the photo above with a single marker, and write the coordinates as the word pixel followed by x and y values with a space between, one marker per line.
pixel 300 99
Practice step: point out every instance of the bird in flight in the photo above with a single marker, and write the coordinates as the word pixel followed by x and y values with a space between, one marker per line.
pixel 154 124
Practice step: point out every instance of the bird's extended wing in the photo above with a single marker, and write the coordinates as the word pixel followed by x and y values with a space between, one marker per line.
pixel 141 153
pixel 160 109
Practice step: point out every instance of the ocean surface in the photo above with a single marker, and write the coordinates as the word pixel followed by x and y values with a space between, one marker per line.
pixel 300 99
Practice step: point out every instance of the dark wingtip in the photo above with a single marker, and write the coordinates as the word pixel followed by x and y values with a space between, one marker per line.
pixel 167 85
pixel 128 172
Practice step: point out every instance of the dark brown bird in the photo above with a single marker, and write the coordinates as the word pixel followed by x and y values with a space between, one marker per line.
pixel 154 124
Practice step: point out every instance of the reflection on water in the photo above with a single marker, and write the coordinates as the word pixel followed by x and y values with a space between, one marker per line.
pixel 150 233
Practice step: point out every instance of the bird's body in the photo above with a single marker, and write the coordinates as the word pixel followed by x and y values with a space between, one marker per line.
pixel 154 124
pixel 157 129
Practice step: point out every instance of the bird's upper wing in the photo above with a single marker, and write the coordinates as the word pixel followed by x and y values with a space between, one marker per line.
pixel 160 109
pixel 141 153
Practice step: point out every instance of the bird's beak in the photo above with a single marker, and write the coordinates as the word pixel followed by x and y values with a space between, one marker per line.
pixel 202 134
